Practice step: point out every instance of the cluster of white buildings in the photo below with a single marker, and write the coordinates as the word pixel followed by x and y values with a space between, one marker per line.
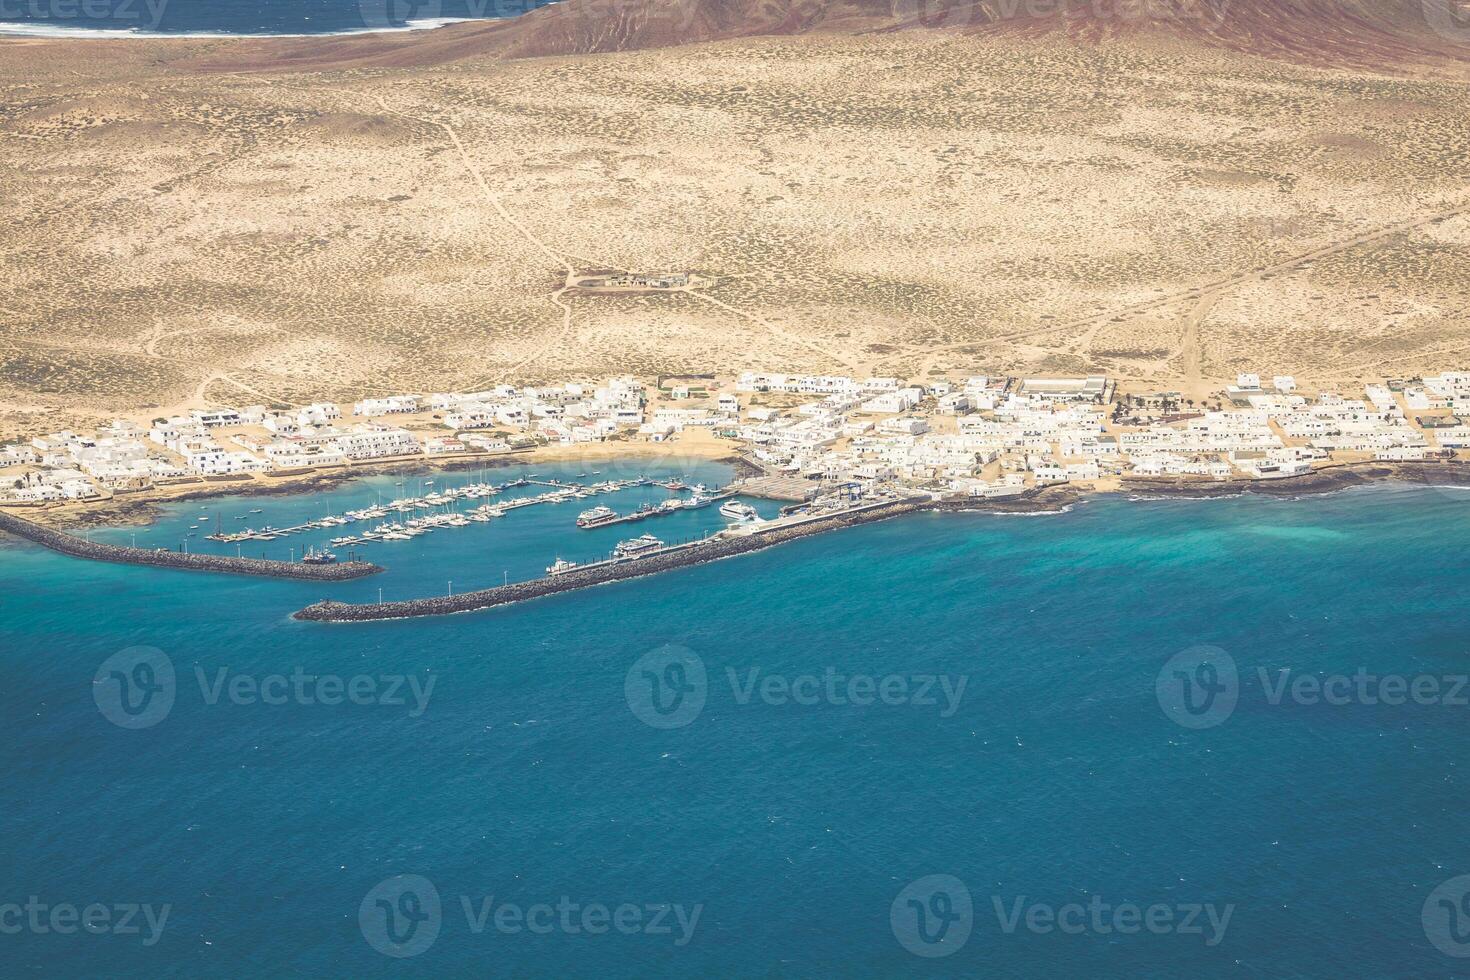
pixel 978 435
pixel 235 442
pixel 986 436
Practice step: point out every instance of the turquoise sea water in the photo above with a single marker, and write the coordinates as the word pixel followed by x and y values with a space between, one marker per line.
pixel 531 777
pixel 186 18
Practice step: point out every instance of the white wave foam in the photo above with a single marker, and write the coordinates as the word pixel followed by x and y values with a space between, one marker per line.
pixel 54 31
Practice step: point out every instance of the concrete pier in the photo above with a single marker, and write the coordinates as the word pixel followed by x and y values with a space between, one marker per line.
pixel 697 553
pixel 70 544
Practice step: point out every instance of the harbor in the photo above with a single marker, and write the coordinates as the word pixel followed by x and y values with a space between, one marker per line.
pixel 437 507
pixel 552 541
pixel 724 544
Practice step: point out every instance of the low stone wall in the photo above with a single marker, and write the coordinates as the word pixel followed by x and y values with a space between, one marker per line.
pixel 1323 479
pixel 338 612
pixel 70 544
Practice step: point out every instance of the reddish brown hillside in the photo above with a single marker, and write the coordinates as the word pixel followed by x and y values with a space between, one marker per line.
pixel 1351 32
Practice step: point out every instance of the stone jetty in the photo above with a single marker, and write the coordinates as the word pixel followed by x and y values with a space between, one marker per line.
pixel 713 549
pixel 70 544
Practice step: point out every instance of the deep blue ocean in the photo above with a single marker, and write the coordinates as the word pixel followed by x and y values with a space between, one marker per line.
pixel 122 18
pixel 797 833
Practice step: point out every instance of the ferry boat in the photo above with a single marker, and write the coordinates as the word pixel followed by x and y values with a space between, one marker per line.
pixel 636 547
pixel 314 557
pixel 595 516
pixel 559 566
pixel 740 513
pixel 697 501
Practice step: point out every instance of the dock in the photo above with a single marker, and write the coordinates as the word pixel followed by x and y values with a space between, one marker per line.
pixel 723 544
pixel 788 488
pixel 559 492
pixel 70 544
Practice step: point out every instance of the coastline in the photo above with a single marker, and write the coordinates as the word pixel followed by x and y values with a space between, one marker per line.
pixel 1045 500
pixel 33 31
pixel 1325 479
pixel 142 507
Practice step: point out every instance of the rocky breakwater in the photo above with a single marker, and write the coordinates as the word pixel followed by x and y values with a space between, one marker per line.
pixel 70 544
pixel 725 546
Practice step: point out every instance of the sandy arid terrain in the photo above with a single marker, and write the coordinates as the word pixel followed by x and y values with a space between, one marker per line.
pixel 191 221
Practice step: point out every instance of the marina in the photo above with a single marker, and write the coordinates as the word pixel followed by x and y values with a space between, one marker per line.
pixel 441 507
pixel 647 557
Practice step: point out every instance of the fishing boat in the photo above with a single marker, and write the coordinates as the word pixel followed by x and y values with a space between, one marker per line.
pixel 314 557
pixel 738 512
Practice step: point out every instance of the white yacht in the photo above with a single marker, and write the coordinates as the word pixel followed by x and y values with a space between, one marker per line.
pixel 635 547
pixel 740 513
pixel 595 516
pixel 559 566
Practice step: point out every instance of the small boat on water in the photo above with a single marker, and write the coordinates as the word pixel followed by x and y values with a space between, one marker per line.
pixel 738 512
pixel 637 547
pixel 257 511
pixel 559 566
